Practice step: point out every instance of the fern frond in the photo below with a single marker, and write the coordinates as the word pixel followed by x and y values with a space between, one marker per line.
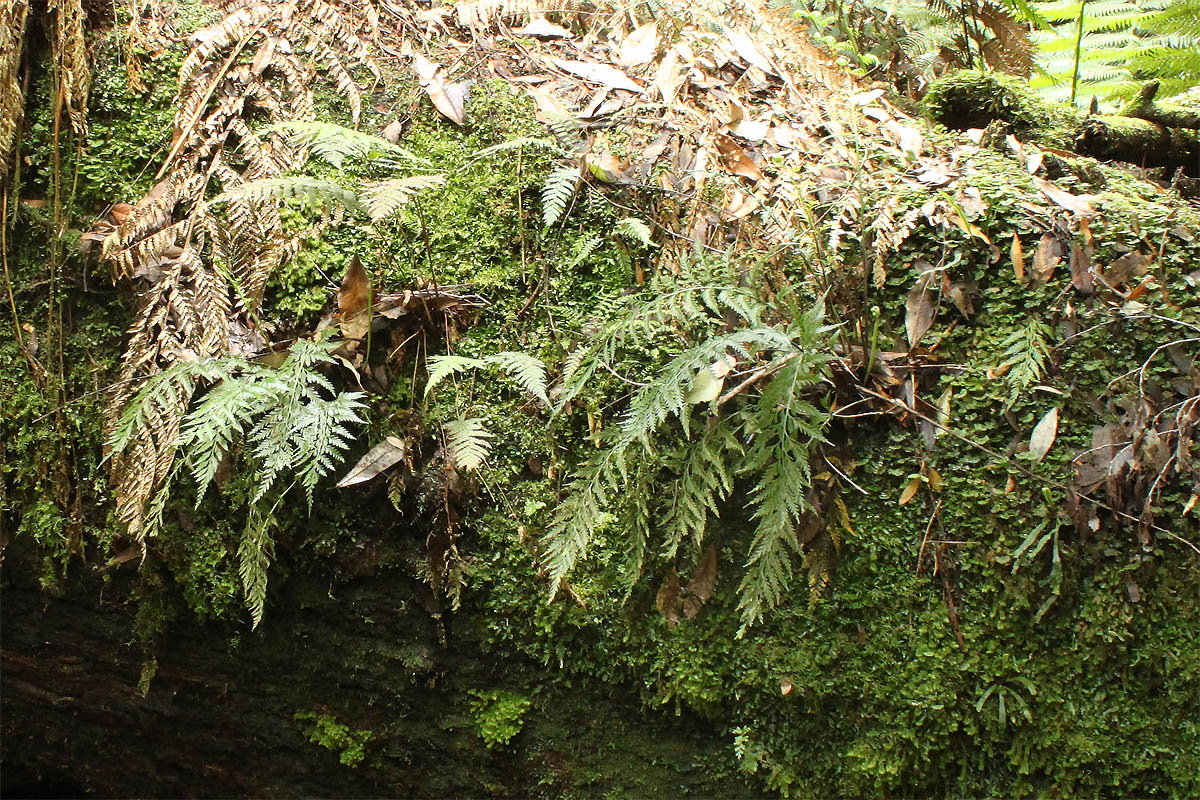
pixel 467 442
pixel 519 143
pixel 528 371
pixel 254 557
pixel 385 198
pixel 557 191
pixel 326 194
pixel 1026 352
pixel 442 367
pixel 335 143
pixel 635 230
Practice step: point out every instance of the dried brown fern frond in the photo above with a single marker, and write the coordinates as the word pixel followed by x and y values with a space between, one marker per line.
pixel 71 59
pixel 260 61
pixel 12 101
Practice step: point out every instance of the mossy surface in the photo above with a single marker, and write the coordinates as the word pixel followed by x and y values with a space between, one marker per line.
pixel 1074 671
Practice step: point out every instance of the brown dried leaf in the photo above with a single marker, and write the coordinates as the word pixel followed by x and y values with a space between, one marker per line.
pixel 735 159
pixel 379 458
pixel 910 490
pixel 667 599
pixel 638 47
pixel 1043 435
pixel 1018 258
pixel 602 74
pixel 669 76
pixel 919 307
pixel 354 297
pixel 1080 204
pixel 448 99
pixel 1049 253
pixel 1081 270
pixel 704 577
pixel 1126 267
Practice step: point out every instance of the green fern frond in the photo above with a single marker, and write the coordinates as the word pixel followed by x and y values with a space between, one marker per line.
pixel 255 552
pixel 467 443
pixel 1026 352
pixel 335 143
pixel 326 194
pixel 635 230
pixel 385 198
pixel 557 191
pixel 442 367
pixel 519 143
pixel 528 371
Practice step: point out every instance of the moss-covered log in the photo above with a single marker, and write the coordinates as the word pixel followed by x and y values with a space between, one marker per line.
pixel 1144 133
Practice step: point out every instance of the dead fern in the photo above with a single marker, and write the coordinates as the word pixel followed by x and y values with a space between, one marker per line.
pixel 257 59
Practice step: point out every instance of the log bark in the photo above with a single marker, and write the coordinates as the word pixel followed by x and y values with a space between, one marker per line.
pixel 219 717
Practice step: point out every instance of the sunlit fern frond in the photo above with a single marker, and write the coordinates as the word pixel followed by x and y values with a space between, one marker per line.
pixel 468 443
pixel 385 198
pixel 322 193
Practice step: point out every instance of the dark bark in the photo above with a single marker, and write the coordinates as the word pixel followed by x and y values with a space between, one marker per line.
pixel 218 719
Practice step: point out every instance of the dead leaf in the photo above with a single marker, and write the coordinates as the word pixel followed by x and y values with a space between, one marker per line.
pixel 669 76
pixel 704 577
pixel 735 159
pixel 785 687
pixel 1018 258
pixel 448 99
pixel 262 59
pixel 747 50
pixel 919 306
pixel 393 131
pixel 1043 435
pixel 910 490
pixel 354 298
pixel 1126 267
pixel 638 47
pixel 379 458
pixel 543 28
pixel 602 74
pixel 1049 253
pixel 1080 204
pixel 1081 270
pixel 667 599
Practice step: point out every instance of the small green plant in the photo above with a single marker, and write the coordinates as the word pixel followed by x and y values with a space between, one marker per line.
pixel 498 715
pixel 325 730
pixel 291 421
pixel 764 429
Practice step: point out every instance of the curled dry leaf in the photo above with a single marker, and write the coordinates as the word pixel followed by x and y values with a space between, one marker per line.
pixel 354 297
pixel 1080 204
pixel 1043 435
pixel 602 74
pixel 734 159
pixel 1049 253
pixel 919 308
pixel 638 47
pixel 382 456
pixel 448 98
pixel 1018 258
pixel 1081 270
pixel 910 490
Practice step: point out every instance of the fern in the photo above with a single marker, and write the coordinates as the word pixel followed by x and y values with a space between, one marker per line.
pixel 467 442
pixel 1026 352
pixel 784 349
pixel 385 198
pixel 635 230
pixel 528 371
pixel 326 194
pixel 295 424
pixel 335 144
pixel 557 191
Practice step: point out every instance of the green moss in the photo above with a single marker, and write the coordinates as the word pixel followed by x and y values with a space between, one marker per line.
pixel 325 730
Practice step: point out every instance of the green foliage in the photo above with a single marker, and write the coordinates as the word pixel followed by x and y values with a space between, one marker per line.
pixel 1101 47
pixel 783 351
pixel 498 715
pixel 325 730
pixel 291 420
pixel 557 192
pixel 1026 353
